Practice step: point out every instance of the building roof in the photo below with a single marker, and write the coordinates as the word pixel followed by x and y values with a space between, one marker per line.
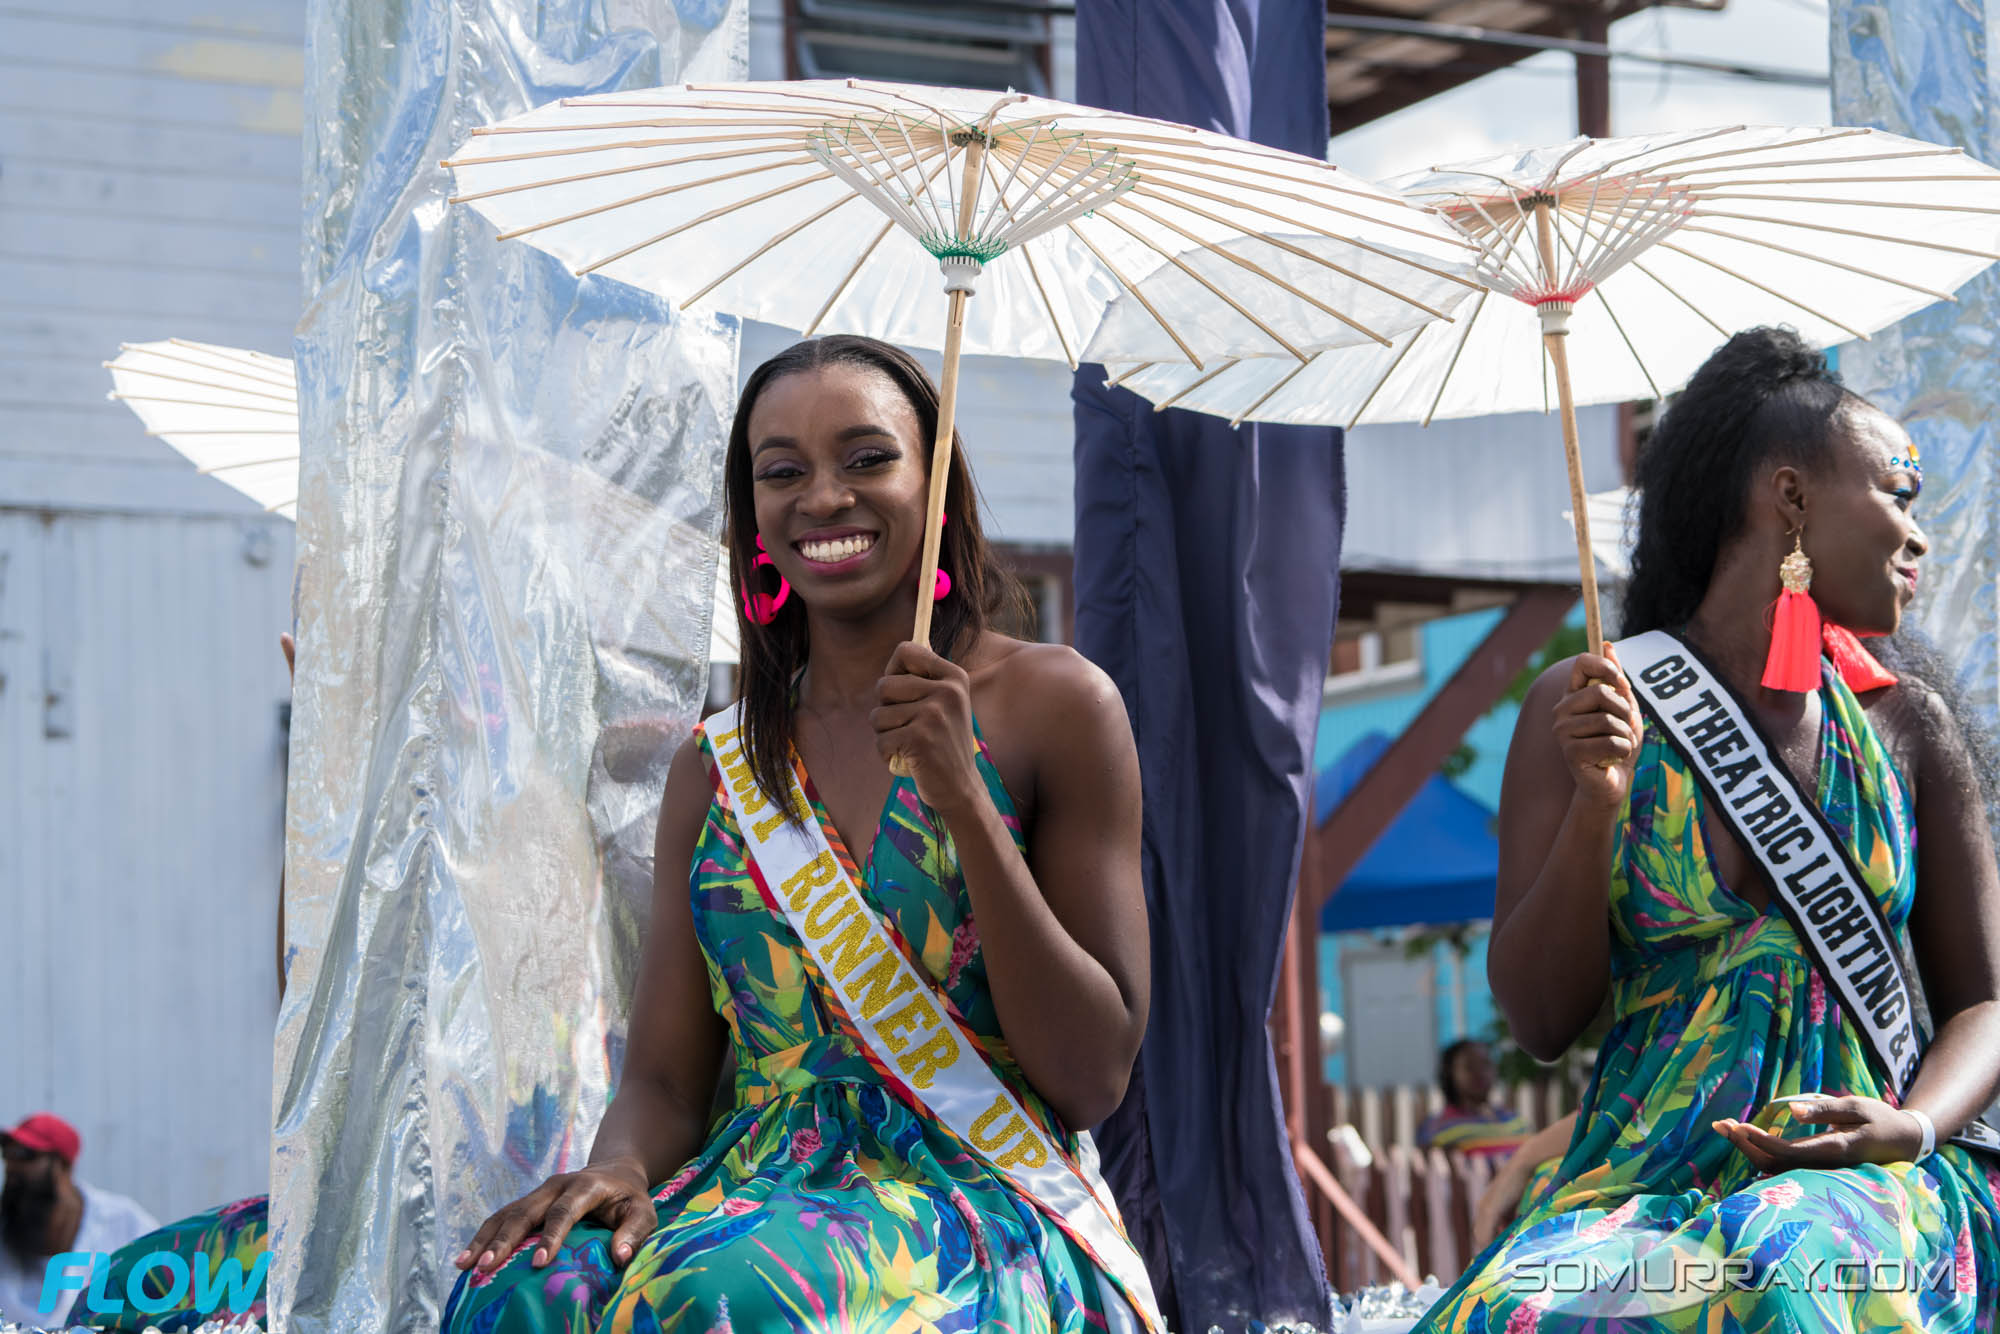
pixel 1476 500
pixel 1371 73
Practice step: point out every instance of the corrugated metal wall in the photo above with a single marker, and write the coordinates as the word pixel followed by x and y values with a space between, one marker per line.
pixel 1478 498
pixel 141 828
pixel 149 187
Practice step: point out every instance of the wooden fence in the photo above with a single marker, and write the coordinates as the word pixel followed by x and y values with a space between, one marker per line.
pixel 1419 1200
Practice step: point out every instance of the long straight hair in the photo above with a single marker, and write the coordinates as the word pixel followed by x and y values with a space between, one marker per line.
pixel 774 654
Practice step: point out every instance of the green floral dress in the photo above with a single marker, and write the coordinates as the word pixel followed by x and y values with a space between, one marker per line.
pixel 819 1200
pixel 224 1252
pixel 1653 1221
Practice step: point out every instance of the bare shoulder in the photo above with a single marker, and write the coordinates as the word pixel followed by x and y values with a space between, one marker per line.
pixel 1909 706
pixel 1920 730
pixel 688 758
pixel 1052 665
pixel 1542 697
pixel 1052 683
pixel 684 804
pixel 1534 758
pixel 1049 714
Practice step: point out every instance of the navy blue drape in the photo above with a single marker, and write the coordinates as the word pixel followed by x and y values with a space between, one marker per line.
pixel 1207 576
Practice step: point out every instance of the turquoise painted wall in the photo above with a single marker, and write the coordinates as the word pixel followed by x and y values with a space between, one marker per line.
pixel 1447 643
pixel 1479 1011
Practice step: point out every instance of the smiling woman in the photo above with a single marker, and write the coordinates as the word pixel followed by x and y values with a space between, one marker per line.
pixel 857 557
pixel 923 1018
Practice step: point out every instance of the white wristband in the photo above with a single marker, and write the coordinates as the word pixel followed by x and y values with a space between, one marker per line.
pixel 1930 1132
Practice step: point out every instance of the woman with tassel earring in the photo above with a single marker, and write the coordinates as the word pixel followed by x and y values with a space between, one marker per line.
pixel 1730 828
pixel 899 884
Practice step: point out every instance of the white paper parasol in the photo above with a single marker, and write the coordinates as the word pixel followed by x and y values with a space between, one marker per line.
pixel 1617 265
pixel 831 206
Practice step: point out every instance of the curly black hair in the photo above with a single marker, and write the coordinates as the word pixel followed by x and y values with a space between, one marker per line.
pixel 1916 660
pixel 1763 397
pixel 1921 667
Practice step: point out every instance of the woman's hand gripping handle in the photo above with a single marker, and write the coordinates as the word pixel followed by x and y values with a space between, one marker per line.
pixel 1597 725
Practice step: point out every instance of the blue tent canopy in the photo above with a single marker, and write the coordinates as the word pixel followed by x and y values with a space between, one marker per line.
pixel 1436 863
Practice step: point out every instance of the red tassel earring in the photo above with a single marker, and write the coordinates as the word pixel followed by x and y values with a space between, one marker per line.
pixel 1793 663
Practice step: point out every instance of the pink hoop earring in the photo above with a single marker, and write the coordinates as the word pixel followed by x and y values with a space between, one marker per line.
pixel 941 586
pixel 762 608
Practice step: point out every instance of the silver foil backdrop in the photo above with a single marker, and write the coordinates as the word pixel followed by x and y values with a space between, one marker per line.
pixel 509 496
pixel 1923 68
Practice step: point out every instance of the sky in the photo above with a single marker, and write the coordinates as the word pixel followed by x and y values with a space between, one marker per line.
pixel 1534 102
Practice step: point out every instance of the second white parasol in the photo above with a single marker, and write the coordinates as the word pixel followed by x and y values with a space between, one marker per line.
pixel 1138 239
pixel 1650 251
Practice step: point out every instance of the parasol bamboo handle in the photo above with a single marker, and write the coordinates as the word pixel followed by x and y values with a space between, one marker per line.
pixel 954 329
pixel 954 334
pixel 1557 345
pixel 940 479
pixel 1555 340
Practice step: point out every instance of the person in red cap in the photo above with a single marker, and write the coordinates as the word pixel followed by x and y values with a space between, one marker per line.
pixel 47 1210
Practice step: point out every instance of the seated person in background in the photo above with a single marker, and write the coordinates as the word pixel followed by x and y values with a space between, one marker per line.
pixel 47 1210
pixel 1470 1121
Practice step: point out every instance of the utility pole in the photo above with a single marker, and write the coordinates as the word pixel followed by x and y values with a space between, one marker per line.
pixel 1593 117
pixel 1593 72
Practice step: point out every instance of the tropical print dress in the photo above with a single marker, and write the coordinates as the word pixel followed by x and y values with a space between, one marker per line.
pixel 226 1243
pixel 819 1200
pixel 1654 1221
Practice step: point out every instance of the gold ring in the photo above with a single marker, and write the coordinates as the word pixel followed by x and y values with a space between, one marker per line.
pixel 899 766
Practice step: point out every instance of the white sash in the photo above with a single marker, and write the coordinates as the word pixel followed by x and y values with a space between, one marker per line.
pixel 907 1025
pixel 1818 885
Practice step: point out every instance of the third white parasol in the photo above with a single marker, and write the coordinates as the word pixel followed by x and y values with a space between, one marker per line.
pixel 1650 251
pixel 848 206
pixel 231 412
pixel 234 414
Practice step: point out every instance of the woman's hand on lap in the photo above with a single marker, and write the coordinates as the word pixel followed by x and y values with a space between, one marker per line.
pixel 611 1195
pixel 1858 1130
pixel 924 714
pixel 1597 725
